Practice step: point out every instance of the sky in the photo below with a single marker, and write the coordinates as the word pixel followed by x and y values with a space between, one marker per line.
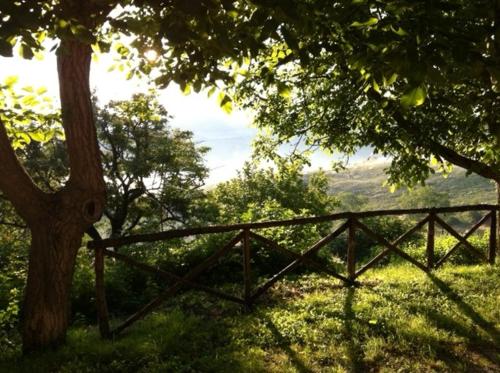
pixel 228 135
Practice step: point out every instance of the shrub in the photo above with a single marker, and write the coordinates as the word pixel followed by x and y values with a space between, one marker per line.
pixel 445 242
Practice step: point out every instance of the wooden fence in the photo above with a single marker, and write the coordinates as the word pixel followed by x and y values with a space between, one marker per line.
pixel 350 222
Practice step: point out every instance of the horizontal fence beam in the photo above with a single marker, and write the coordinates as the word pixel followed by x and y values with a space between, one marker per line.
pixel 177 233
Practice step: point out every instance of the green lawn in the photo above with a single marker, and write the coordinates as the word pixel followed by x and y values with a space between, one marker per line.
pixel 400 320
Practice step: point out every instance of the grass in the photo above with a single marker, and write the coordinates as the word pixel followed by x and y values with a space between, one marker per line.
pixel 401 320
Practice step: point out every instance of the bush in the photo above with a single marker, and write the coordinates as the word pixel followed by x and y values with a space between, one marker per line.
pixel 444 243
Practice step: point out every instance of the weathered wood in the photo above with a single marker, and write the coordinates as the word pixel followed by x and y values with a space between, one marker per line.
pixel 313 249
pixel 100 294
pixel 351 250
pixel 386 251
pixel 390 246
pixel 172 276
pixel 471 231
pixel 430 241
pixel 273 245
pixel 246 269
pixel 176 233
pixel 191 275
pixel 493 238
pixel 461 239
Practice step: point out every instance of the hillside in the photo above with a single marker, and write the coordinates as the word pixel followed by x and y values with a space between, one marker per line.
pixel 368 180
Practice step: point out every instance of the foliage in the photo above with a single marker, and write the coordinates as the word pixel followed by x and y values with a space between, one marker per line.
pixel 350 201
pixel 13 256
pixel 405 320
pixel 240 198
pixel 366 247
pixel 28 114
pixel 424 197
pixel 417 81
pixel 283 193
pixel 444 243
pixel 154 173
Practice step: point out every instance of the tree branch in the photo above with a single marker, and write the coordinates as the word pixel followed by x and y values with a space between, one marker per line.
pixel 450 155
pixel 73 65
pixel 447 153
pixel 15 183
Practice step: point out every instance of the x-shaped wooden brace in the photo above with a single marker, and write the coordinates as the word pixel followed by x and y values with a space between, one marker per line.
pixel 187 279
pixel 390 247
pixel 462 240
pixel 303 258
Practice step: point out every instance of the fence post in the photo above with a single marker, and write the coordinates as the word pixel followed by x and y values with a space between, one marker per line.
pixel 493 237
pixel 351 250
pixel 246 268
pixel 430 240
pixel 102 307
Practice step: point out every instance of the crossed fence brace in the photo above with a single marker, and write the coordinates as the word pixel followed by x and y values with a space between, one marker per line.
pixel 245 235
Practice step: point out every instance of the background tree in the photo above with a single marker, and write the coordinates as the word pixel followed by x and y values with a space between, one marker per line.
pixel 154 173
pixel 243 198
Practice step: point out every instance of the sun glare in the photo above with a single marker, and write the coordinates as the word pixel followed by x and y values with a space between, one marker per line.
pixel 151 55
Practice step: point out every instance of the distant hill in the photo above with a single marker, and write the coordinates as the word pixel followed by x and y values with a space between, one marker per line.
pixel 368 180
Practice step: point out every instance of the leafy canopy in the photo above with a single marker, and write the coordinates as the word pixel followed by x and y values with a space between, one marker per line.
pixel 418 81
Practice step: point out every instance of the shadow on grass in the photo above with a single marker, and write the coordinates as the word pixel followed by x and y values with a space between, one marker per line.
pixel 285 346
pixel 466 308
pixel 477 344
pixel 354 351
pixel 474 342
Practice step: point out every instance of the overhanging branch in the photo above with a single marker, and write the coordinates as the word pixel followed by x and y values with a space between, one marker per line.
pixel 447 153
pixel 450 155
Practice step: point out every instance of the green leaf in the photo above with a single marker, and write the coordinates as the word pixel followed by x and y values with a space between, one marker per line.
pixel 370 22
pixel 391 80
pixel 186 89
pixel 225 102
pixel 399 31
pixel 414 97
pixel 37 136
pixel 11 80
pixel 62 23
pixel 210 92
pixel 284 91
pixel 26 139
pixel 41 91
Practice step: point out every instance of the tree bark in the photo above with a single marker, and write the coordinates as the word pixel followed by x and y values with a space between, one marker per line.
pixel 54 245
pixel 58 226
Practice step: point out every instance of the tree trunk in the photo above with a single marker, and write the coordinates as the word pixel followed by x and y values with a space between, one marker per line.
pixel 58 226
pixel 58 220
pixel 54 245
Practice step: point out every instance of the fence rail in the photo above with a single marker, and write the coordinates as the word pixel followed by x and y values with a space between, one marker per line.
pixel 245 233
